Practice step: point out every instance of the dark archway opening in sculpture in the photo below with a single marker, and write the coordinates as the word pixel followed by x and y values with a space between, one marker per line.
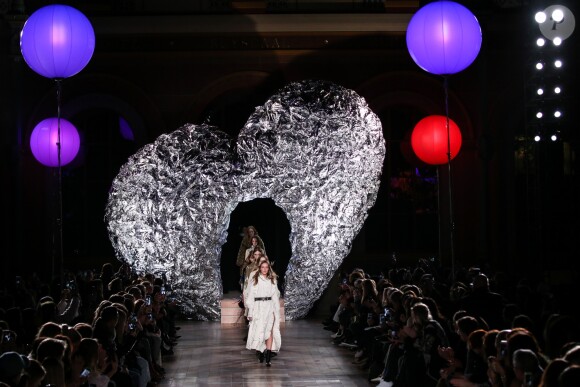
pixel 274 229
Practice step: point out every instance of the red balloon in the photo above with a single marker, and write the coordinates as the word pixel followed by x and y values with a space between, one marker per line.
pixel 429 139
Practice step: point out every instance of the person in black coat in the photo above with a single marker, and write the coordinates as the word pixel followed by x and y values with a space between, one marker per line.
pixel 483 303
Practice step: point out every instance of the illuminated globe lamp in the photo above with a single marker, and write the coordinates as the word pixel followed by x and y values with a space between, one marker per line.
pixel 443 37
pixel 429 140
pixel 57 41
pixel 44 142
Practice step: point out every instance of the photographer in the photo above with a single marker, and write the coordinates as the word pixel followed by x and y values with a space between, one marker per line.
pixel 67 309
pixel 148 338
pixel 390 321
pixel 133 352
pixel 70 303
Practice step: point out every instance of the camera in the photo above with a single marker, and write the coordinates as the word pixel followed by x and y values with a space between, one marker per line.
pixel 85 373
pixel 8 336
pixel 162 290
pixel 503 348
pixel 132 322
pixel 148 300
pixel 387 314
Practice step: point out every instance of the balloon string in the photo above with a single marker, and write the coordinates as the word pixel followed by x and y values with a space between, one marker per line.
pixel 451 220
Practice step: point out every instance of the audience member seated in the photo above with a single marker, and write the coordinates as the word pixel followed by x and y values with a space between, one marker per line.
pixel 12 365
pixel 34 374
pixel 526 366
pixel 483 303
pixel 54 372
pixel 395 339
pixel 570 377
pixel 102 342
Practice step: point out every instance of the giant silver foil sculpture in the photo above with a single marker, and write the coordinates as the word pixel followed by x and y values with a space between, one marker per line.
pixel 315 148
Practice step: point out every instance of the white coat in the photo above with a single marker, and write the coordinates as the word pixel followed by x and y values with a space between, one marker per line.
pixel 265 314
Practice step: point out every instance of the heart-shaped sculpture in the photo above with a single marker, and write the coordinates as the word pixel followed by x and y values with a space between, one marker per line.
pixel 315 149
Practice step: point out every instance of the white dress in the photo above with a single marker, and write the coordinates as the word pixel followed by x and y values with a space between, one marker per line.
pixel 265 314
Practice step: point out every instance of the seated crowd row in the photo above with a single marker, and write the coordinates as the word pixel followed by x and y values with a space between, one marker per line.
pixel 112 329
pixel 397 327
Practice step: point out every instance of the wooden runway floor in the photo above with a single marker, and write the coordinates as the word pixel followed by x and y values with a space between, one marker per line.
pixel 212 354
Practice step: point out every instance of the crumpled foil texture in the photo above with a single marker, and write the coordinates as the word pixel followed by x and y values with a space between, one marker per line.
pixel 315 148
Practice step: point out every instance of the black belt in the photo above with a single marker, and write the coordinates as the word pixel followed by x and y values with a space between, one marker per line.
pixel 262 298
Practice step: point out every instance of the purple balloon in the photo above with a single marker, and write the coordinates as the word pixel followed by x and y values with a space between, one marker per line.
pixel 45 137
pixel 57 41
pixel 125 129
pixel 443 37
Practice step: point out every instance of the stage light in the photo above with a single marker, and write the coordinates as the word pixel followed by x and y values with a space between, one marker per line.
pixel 539 115
pixel 557 90
pixel 554 137
pixel 537 138
pixel 540 91
pixel 57 41
pixel 558 63
pixel 434 142
pixel 540 17
pixel 540 42
pixel 55 142
pixel 558 22
pixel 557 114
pixel 443 37
pixel 557 15
pixel 539 65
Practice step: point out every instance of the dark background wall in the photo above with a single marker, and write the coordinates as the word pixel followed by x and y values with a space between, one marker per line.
pixel 158 66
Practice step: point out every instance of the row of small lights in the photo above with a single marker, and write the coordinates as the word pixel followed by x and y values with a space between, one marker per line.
pixel 537 138
pixel 557 16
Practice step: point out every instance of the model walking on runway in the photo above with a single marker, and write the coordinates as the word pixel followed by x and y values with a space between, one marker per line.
pixel 263 303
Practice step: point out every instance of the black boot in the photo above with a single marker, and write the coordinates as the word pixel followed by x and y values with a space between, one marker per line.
pixel 268 356
pixel 261 356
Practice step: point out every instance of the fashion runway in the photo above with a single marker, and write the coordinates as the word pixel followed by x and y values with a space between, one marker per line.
pixel 213 354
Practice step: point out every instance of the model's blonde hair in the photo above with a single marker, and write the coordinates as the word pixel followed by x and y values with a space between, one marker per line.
pixel 271 274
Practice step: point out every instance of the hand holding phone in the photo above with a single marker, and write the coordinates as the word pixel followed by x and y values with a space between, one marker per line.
pixel 132 323
pixel 382 319
pixel 8 336
pixel 503 347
